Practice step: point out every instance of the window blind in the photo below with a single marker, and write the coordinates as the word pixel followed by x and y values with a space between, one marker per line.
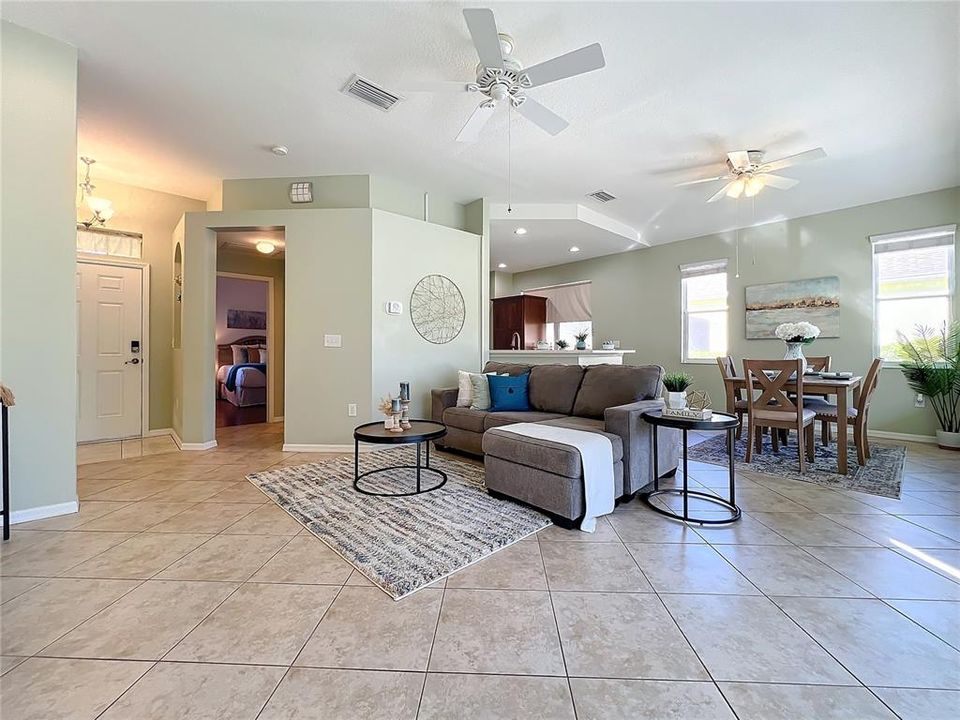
pixel 566 303
pixel 914 239
pixel 706 267
pixel 97 241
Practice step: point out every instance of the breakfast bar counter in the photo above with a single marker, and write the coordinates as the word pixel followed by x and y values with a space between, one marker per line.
pixel 582 358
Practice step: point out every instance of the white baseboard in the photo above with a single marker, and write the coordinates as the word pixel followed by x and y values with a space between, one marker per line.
pixel 158 432
pixel 43 512
pixel 187 447
pixel 903 437
pixel 345 448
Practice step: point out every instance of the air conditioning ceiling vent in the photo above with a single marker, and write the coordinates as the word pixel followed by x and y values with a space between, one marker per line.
pixel 365 91
pixel 602 196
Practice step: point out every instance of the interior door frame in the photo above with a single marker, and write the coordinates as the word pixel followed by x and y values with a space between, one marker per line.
pixel 271 338
pixel 144 268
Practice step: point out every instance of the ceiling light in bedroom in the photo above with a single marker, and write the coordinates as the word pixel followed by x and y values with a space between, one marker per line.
pixel 502 265
pixel 574 249
pixel 520 231
pixel 267 248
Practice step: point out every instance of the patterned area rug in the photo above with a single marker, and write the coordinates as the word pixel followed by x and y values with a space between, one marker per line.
pixel 400 544
pixel 880 476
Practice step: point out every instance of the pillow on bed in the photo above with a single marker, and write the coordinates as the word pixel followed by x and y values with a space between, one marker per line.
pixel 263 355
pixel 253 355
pixel 239 354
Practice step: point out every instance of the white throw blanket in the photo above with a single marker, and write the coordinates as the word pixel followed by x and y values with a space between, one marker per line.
pixel 596 456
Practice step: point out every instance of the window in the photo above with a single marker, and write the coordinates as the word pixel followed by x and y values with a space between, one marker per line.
pixel 913 284
pixel 703 288
pixel 568 311
pixel 101 241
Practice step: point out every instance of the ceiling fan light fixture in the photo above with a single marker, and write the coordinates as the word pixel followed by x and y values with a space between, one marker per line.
pixel 736 188
pixel 267 248
pixel 753 185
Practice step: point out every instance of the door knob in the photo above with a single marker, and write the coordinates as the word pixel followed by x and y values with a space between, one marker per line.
pixel 134 361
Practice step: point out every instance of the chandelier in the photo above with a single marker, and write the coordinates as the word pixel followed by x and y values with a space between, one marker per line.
pixel 101 208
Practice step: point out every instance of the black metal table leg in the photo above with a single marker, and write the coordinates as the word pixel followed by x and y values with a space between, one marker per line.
pixel 731 439
pixel 6 475
pixel 656 462
pixel 356 460
pixel 418 466
pixel 686 490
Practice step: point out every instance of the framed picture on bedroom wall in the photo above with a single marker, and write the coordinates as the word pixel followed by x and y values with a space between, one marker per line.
pixel 816 300
pixel 246 319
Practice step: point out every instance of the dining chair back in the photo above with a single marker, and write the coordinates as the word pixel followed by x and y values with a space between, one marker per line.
pixel 734 395
pixel 770 405
pixel 858 415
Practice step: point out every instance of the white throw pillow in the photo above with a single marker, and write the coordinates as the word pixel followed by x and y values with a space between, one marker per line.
pixel 465 387
pixel 263 354
pixel 239 354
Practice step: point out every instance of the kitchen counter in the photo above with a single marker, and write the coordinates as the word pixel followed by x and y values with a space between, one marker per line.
pixel 563 357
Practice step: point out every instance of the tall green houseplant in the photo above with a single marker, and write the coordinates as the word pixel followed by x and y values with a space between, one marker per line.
pixel 931 366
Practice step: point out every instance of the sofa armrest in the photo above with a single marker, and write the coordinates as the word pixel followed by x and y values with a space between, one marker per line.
pixel 440 400
pixel 625 421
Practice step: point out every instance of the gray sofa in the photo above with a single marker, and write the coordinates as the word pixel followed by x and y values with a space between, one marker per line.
pixel 607 399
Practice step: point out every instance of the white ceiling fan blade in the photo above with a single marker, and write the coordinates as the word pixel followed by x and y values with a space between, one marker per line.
pixel 702 180
pixel 739 158
pixel 721 192
pixel 483 30
pixel 437 86
pixel 471 129
pixel 539 115
pixel 777 181
pixel 573 63
pixel 805 156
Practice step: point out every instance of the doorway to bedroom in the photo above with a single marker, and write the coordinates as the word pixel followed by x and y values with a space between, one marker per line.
pixel 249 327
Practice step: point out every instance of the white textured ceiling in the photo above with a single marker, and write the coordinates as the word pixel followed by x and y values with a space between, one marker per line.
pixel 176 95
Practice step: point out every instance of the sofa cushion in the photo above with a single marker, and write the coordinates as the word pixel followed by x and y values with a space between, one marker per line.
pixel 553 388
pixel 465 418
pixel 546 455
pixel 508 418
pixel 509 393
pixel 606 386
pixel 505 368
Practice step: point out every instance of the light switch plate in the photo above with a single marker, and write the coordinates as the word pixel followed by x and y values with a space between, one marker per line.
pixel 394 307
pixel 352 409
pixel 332 341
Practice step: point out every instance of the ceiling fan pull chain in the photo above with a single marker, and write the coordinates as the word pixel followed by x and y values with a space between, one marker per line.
pixel 509 157
pixel 753 222
pixel 738 239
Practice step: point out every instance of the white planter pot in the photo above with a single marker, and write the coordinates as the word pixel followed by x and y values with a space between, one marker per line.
pixel 795 352
pixel 948 440
pixel 676 400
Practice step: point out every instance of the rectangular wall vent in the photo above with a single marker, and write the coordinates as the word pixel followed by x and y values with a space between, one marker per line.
pixel 365 91
pixel 602 196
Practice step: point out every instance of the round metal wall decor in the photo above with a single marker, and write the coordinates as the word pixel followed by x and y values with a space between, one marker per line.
pixel 437 309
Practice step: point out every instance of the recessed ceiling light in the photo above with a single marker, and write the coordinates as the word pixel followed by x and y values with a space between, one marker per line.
pixel 502 265
pixel 574 249
pixel 267 248
pixel 520 231
pixel 279 150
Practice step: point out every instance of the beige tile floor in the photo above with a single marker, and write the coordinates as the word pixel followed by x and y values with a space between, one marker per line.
pixel 179 591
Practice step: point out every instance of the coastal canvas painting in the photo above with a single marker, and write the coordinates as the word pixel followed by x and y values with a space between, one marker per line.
pixel 246 319
pixel 816 301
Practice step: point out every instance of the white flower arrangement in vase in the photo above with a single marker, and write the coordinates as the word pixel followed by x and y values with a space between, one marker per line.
pixel 796 335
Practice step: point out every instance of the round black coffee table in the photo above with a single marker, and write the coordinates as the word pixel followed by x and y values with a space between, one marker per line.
pixel 718 421
pixel 420 432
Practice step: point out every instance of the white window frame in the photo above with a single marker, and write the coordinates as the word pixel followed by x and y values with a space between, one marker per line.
pixel 690 270
pixel 913 239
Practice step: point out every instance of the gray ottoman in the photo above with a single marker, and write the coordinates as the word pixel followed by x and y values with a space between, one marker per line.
pixel 544 474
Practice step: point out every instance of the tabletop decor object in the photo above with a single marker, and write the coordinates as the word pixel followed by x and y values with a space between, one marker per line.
pixel 391 419
pixel 931 366
pixel 676 384
pixel 582 340
pixel 698 407
pixel 562 344
pixel 405 405
pixel 437 309
pixel 796 335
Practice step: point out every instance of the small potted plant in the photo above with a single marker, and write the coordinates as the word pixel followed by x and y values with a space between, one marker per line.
pixel 582 340
pixel 931 365
pixel 676 384
pixel 796 335
pixel 562 344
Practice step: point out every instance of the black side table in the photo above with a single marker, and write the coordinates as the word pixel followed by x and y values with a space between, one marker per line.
pixel 420 432
pixel 718 421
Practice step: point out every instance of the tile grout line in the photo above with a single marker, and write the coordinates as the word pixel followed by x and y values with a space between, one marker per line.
pixel 556 625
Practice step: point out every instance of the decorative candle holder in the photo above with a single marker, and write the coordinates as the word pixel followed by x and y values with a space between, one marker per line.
pixel 405 405
pixel 396 411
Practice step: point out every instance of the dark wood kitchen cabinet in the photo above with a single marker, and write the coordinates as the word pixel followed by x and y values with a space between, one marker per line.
pixel 525 315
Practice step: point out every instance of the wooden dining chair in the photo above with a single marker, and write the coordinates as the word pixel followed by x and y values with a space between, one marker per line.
pixel 736 404
pixel 826 412
pixel 820 363
pixel 769 405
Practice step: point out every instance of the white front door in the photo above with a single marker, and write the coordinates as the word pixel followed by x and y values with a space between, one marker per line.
pixel 109 351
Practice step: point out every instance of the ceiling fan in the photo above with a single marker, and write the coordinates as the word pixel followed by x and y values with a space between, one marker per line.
pixel 501 76
pixel 748 173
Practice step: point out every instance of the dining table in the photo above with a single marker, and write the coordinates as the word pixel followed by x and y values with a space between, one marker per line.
pixel 816 385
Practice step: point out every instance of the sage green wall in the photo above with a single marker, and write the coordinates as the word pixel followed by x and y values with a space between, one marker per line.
pixel 154 215
pixel 249 264
pixel 636 295
pixel 38 335
pixel 402 198
pixel 404 251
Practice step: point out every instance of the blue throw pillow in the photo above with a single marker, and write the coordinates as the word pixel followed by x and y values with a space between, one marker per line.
pixel 508 393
